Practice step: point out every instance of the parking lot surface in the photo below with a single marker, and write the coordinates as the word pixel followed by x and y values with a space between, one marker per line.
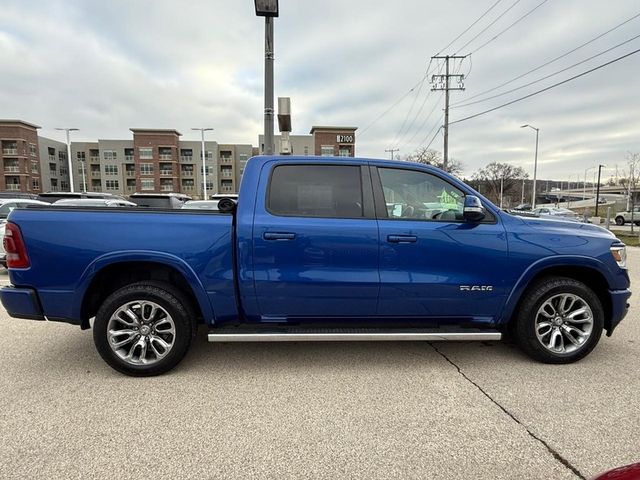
pixel 317 410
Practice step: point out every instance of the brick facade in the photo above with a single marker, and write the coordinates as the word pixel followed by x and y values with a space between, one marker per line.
pixel 337 141
pixel 19 157
pixel 165 145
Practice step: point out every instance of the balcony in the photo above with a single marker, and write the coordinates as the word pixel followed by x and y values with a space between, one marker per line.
pixel 96 189
pixel 128 158
pixel 186 158
pixel 226 159
pixel 165 156
pixel 130 173
pixel 9 151
pixel 166 173
pixel 94 158
pixel 13 186
pixel 186 173
pixel 131 188
pixel 166 188
pixel 12 168
pixel 95 174
pixel 187 188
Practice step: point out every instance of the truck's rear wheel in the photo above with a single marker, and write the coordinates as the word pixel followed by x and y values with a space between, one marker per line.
pixel 619 220
pixel 560 321
pixel 144 329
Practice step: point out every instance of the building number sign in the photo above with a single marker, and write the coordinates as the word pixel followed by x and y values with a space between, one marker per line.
pixel 344 138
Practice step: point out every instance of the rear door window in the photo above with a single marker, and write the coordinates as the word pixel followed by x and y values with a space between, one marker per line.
pixel 328 191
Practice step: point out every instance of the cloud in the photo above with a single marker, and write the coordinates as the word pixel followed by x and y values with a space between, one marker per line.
pixel 107 66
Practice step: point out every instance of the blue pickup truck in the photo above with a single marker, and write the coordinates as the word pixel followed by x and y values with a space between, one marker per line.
pixel 318 248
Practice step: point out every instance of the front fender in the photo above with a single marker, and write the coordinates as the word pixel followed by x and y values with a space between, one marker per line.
pixel 546 263
pixel 142 256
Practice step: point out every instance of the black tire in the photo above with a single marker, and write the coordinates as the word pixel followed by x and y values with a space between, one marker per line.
pixel 619 220
pixel 637 224
pixel 525 321
pixel 173 301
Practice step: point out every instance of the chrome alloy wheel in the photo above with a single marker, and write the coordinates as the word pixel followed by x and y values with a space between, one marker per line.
pixel 564 323
pixel 141 332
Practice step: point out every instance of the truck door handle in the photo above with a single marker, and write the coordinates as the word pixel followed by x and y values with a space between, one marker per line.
pixel 278 236
pixel 402 238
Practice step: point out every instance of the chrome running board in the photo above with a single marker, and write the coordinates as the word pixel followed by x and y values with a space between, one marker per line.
pixel 348 335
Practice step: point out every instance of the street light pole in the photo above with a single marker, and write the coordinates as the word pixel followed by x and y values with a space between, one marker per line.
pixel 598 188
pixel 268 9
pixel 69 164
pixel 535 166
pixel 501 190
pixel 204 165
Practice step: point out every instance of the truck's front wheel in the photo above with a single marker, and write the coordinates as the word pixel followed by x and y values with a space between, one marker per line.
pixel 144 329
pixel 560 320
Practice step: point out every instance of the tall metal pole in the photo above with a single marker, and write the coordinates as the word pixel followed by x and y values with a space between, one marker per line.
pixel 522 199
pixel 69 164
pixel 268 85
pixel 204 169
pixel 598 191
pixel 84 175
pixel 445 157
pixel 535 171
pixel 501 189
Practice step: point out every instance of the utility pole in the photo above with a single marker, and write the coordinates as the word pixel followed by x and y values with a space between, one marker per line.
pixel 598 191
pixel 391 150
pixel 441 82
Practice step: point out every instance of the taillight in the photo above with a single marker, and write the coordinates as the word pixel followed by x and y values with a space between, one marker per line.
pixel 14 247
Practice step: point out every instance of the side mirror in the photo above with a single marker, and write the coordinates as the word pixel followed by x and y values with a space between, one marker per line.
pixel 473 210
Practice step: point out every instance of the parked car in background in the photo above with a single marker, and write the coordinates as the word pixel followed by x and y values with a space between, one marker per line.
pixel 523 207
pixel 201 205
pixel 159 200
pixel 51 197
pixel 625 217
pixel 93 202
pixel 3 254
pixel 557 212
pixel 219 196
pixel 8 204
pixel 12 194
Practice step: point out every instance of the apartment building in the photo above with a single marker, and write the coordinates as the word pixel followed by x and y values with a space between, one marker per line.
pixel 321 141
pixel 30 163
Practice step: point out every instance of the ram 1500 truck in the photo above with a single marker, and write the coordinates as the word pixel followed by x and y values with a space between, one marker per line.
pixel 318 248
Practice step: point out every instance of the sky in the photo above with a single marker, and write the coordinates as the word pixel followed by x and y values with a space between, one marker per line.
pixel 104 67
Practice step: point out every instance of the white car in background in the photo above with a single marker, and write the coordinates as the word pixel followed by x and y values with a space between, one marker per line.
pixel 557 212
pixel 8 204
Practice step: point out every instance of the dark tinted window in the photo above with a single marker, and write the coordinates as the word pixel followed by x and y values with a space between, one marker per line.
pixel 316 191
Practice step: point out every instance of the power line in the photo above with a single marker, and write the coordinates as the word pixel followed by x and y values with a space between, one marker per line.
pixel 510 26
pixel 434 137
pixel 548 88
pixel 469 27
pixel 391 150
pixel 395 104
pixel 419 129
pixel 549 62
pixel 490 25
pixel 547 76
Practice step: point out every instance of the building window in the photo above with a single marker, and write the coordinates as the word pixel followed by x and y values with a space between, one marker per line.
pixel 306 151
pixel 81 156
pixel 35 184
pixel 64 185
pixel 326 150
pixel 34 167
pixel 63 171
pixel 62 155
pixel 109 155
pixel 146 169
pixel 52 168
pixel 344 152
pixel 112 185
pixel 32 149
pixel 209 155
pixel 146 153
pixel 210 186
pixel 147 184
pixel 111 169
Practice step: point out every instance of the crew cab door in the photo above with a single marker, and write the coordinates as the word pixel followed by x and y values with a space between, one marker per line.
pixel 433 264
pixel 315 242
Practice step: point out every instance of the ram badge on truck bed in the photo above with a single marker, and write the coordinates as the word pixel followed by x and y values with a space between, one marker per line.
pixel 318 248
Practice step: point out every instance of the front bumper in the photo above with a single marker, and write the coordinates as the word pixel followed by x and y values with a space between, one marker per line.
pixel 21 303
pixel 619 307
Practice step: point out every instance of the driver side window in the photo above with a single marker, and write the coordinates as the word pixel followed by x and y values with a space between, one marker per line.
pixel 410 194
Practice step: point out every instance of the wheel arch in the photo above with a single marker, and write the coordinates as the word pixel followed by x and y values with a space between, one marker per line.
pixel 583 269
pixel 110 272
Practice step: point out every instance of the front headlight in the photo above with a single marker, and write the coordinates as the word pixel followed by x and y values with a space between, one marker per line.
pixel 619 253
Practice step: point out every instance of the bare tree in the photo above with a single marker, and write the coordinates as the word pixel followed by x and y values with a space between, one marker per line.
pixel 433 157
pixel 496 173
pixel 629 181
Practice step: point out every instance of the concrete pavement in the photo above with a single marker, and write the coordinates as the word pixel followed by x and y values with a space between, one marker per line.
pixel 325 410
